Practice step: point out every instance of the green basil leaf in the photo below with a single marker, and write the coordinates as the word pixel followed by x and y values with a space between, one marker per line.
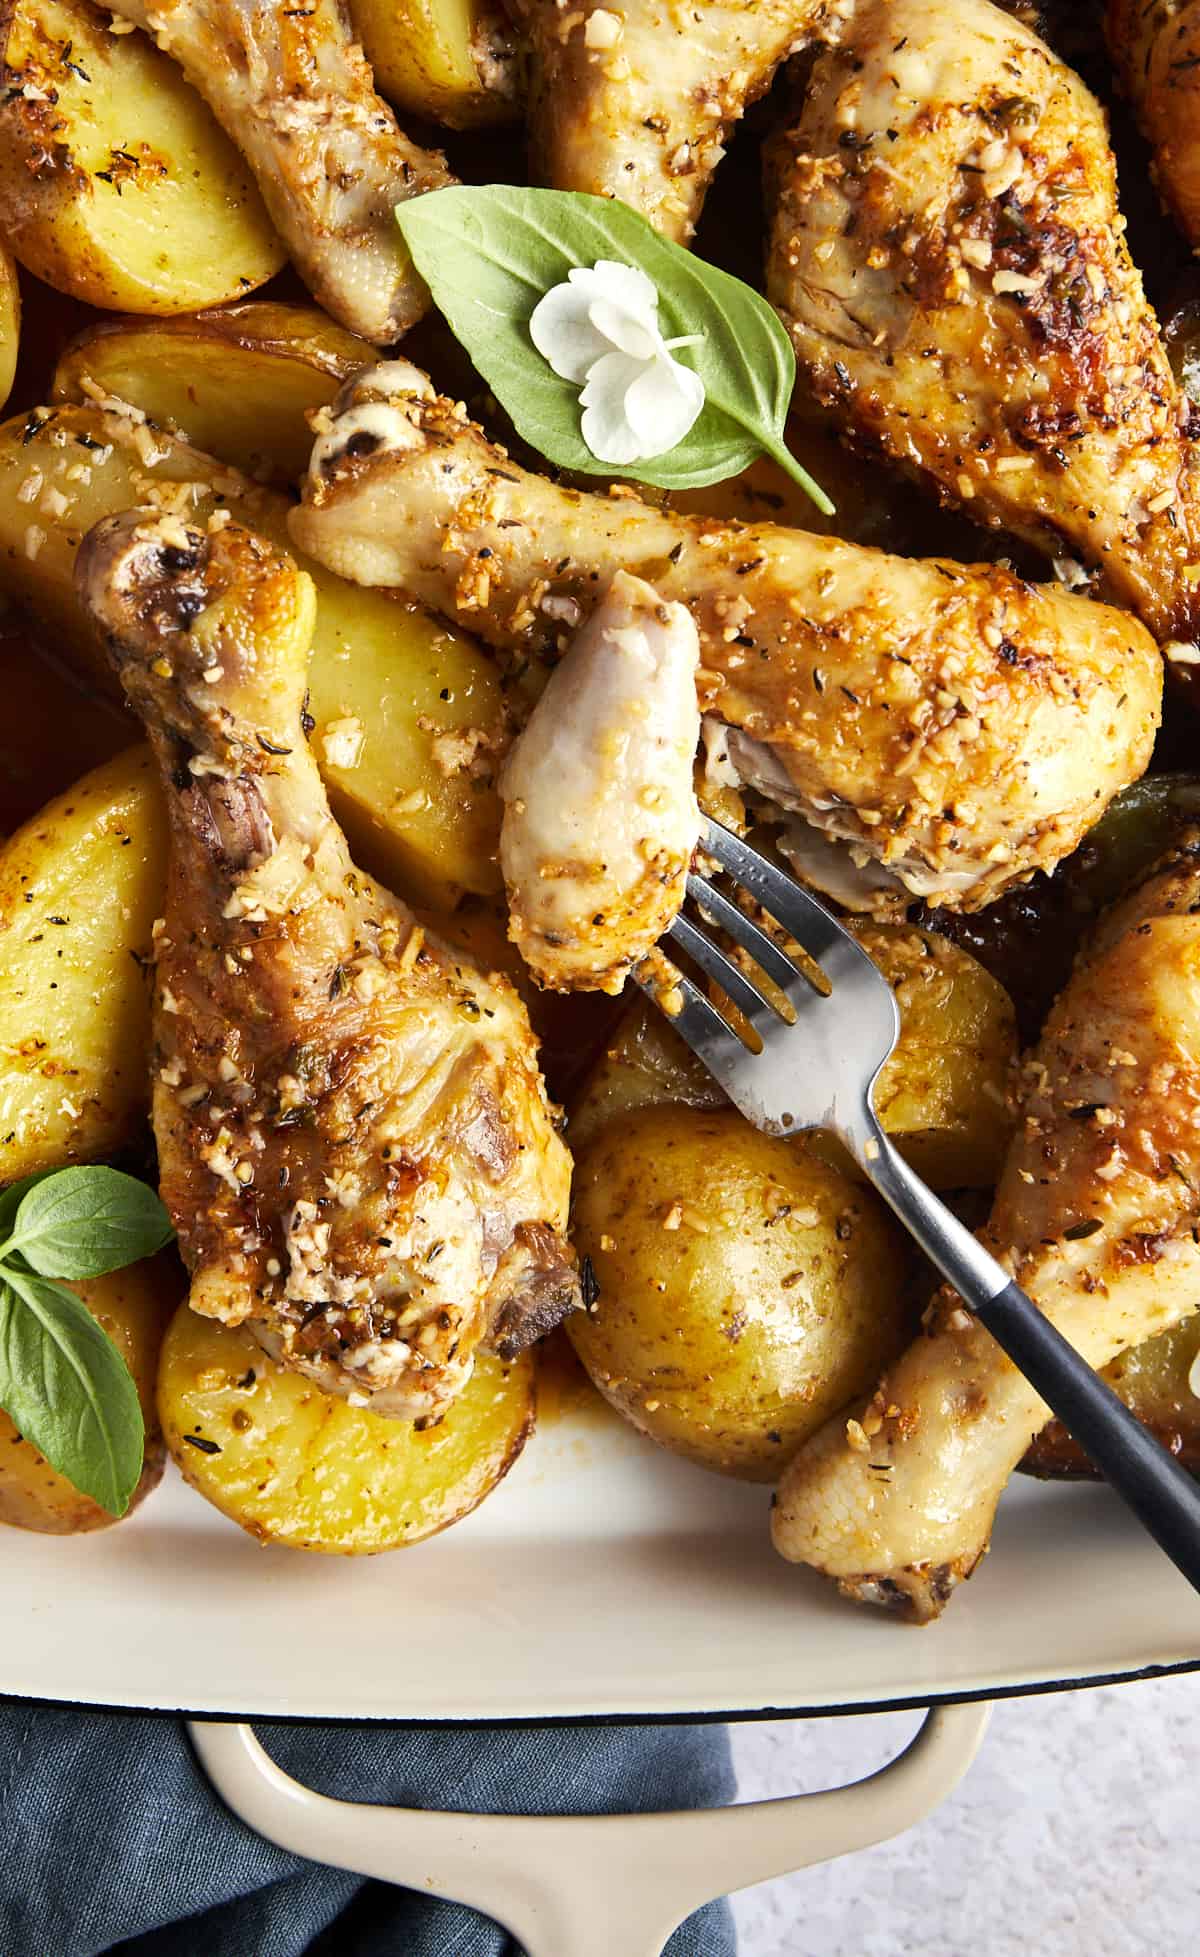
pixel 489 255
pixel 84 1222
pixel 10 1202
pixel 68 1389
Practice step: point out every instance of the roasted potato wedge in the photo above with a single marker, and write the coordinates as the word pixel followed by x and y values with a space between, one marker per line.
pixel 746 1288
pixel 451 60
pixel 80 887
pixel 941 1096
pixel 116 185
pixel 10 323
pixel 134 1307
pixel 294 1465
pixel 1156 1382
pixel 409 714
pixel 236 382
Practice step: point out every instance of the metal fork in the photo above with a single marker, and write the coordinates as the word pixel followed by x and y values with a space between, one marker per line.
pixel 819 1071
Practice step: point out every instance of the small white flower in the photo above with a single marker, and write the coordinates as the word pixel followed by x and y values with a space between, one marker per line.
pixel 600 330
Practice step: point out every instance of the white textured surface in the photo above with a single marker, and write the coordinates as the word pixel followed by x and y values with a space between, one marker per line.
pixel 1076 1833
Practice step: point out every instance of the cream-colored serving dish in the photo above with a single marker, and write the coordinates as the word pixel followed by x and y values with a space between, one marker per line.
pixel 604 1578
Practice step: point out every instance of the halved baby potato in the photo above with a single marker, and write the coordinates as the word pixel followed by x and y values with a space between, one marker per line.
pixel 80 887
pixel 236 382
pixel 10 323
pixel 134 1307
pixel 451 60
pixel 297 1466
pixel 116 185
pixel 409 712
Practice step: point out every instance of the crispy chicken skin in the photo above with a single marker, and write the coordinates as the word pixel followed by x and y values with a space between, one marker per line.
pixel 948 255
pixel 636 101
pixel 955 724
pixel 600 814
pixel 1096 1216
pixel 1155 48
pixel 292 89
pixel 354 1141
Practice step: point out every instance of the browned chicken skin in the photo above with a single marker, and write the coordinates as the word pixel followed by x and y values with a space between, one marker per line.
pixel 293 90
pixel 1156 51
pixel 636 100
pixel 354 1140
pixel 948 254
pixel 955 725
pixel 1096 1215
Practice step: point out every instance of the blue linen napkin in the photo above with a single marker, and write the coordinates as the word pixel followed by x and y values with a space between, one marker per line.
pixel 112 1840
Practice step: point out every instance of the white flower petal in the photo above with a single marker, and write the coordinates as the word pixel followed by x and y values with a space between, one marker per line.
pixel 630 333
pixel 563 334
pixel 662 404
pixel 604 425
pixel 625 286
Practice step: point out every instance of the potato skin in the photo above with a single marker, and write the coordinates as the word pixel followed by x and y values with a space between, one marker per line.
pixel 296 1466
pixel 237 381
pixel 133 1306
pixel 116 184
pixel 747 1289
pixel 80 887
pixel 424 57
pixel 1153 1381
pixel 10 323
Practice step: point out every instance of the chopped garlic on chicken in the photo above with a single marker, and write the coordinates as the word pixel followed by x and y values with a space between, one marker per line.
pixel 291 87
pixel 354 1140
pixel 954 724
pixel 600 814
pixel 1095 1216
pixel 949 257
pixel 1156 50
pixel 636 100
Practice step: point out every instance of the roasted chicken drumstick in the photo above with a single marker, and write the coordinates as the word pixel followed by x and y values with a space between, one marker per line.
pixel 955 727
pixel 354 1140
pixel 292 89
pixel 1096 1216
pixel 949 257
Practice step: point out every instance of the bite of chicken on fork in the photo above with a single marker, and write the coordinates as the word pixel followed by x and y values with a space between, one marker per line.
pixel 1155 47
pixel 949 257
pixel 354 1140
pixel 600 813
pixel 1096 1215
pixel 292 88
pixel 955 727
pixel 636 101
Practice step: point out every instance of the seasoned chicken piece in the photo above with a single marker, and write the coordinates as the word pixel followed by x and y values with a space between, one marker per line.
pixel 1096 1216
pixel 948 255
pixel 1155 47
pixel 292 89
pixel 957 726
pixel 600 815
pixel 636 101
pixel 354 1141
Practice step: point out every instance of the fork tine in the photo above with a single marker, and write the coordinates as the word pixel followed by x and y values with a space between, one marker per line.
pixel 782 898
pixel 766 954
pixel 733 983
pixel 710 1037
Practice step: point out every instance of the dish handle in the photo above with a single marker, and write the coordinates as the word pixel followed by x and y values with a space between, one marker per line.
pixel 586 1885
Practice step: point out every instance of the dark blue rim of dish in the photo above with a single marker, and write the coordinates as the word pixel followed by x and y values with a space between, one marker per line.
pixel 737 1717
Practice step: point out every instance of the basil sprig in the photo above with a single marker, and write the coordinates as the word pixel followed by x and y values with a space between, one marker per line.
pixel 62 1380
pixel 488 255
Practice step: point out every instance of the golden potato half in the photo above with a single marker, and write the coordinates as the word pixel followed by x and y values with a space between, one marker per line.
pixel 297 1466
pixel 450 60
pixel 134 1307
pixel 236 382
pixel 747 1289
pixel 116 185
pixel 80 887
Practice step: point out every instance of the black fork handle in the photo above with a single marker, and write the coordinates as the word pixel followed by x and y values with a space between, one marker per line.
pixel 1150 1481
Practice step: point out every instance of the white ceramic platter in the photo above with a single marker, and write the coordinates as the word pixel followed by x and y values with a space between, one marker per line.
pixel 603 1578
